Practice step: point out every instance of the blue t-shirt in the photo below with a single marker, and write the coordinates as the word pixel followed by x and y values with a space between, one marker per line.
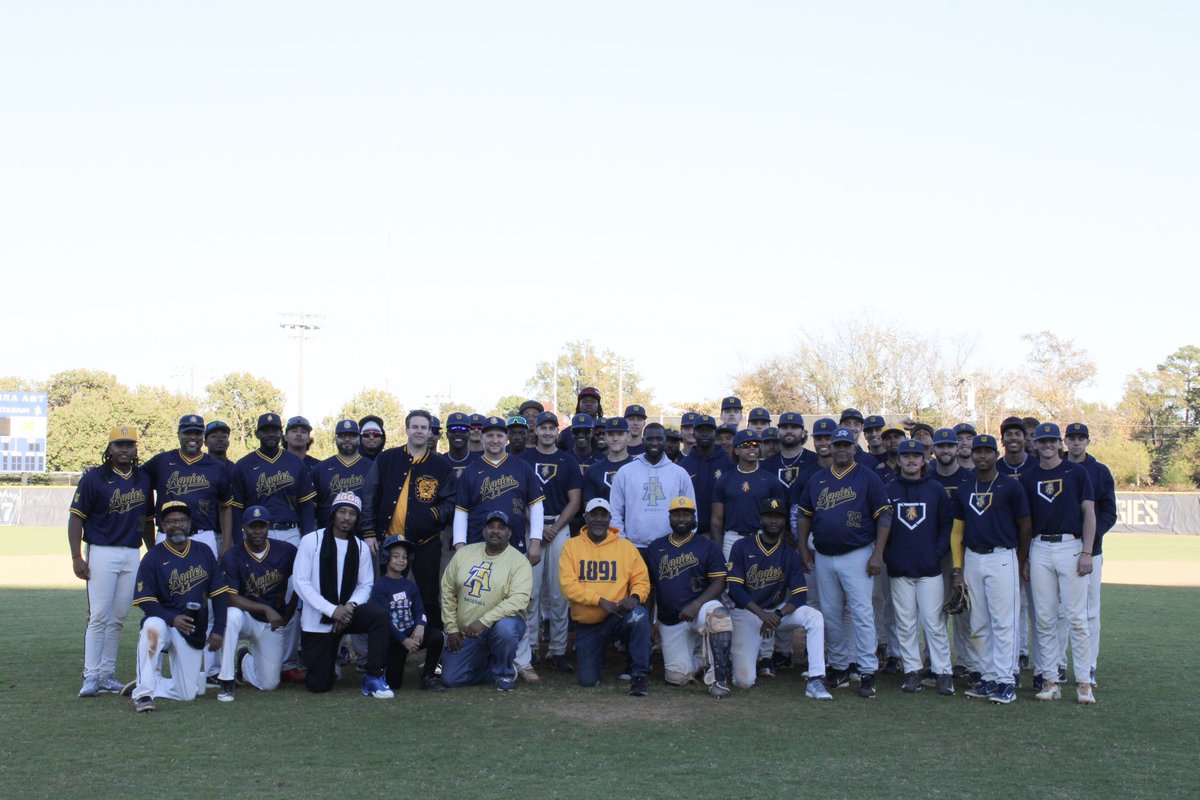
pixel 705 472
pixel 843 506
pixel 1055 496
pixel 597 482
pixel 766 576
pixel 951 482
pixel 509 486
pixel 401 600
pixel 201 482
pixel 557 474
pixel 1008 470
pixel 261 577
pixel 743 494
pixel 990 510
pixel 333 476
pixel 458 466
pixel 788 469
pixel 681 572
pixel 114 507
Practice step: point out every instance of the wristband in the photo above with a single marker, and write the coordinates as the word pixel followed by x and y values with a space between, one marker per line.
pixel 1085 553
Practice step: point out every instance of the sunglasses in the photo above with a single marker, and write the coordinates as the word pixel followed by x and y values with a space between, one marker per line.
pixel 748 444
pixel 372 435
pixel 458 429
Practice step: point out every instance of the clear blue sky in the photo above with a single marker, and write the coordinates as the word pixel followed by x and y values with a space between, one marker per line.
pixel 462 187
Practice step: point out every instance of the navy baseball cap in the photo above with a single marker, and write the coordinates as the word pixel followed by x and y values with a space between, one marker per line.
pixel 191 422
pixel 851 413
pixel 583 421
pixel 500 515
pixel 635 411
pixel 964 427
pixel 727 428
pixel 256 514
pixel 544 417
pixel 298 422
pixel 531 404
pixel 759 413
pixel 843 435
pixel 492 423
pixel 615 425
pixel 703 420
pixel 674 434
pixel 825 426
pixel 1078 429
pixel 742 437
pixel 517 422
pixel 911 446
pixel 983 440
pixel 1012 422
pixel 731 402
pixel 688 420
pixel 393 541
pixel 346 426
pixel 268 421
pixel 216 425
pixel 458 420
pixel 1047 430
pixel 772 505
pixel 922 426
pixel 435 424
pixel 770 434
pixel 944 436
pixel 874 421
pixel 790 418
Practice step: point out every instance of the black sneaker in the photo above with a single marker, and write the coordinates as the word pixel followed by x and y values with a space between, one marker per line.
pixel 781 661
pixel 211 682
pixel 1023 662
pixel 853 672
pixel 1062 674
pixel 912 683
pixel 226 695
pixel 1016 680
pixel 866 687
pixel 891 666
pixel 981 690
pixel 961 673
pixel 143 704
pixel 432 684
pixel 241 653
pixel 765 669
pixel 560 663
pixel 638 686
pixel 974 677
pixel 945 684
pixel 836 679
pixel 1038 683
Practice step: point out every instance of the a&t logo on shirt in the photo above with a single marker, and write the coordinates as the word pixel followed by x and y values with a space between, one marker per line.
pixel 653 494
pixel 981 502
pixel 479 580
pixel 1048 490
pixel 911 514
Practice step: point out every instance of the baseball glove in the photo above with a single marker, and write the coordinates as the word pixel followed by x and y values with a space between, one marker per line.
pixel 958 602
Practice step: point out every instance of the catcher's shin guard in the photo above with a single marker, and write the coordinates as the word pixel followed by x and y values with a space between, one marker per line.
pixel 718 636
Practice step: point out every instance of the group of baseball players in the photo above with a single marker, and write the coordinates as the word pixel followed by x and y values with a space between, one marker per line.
pixel 733 550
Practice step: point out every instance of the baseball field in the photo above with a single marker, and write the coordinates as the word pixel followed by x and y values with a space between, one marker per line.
pixel 558 740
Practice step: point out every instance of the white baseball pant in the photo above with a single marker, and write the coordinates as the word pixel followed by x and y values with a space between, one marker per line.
pixel 993 581
pixel 261 666
pixel 918 605
pixel 531 636
pixel 558 609
pixel 1093 617
pixel 885 614
pixel 747 637
pixel 844 584
pixel 212 661
pixel 291 631
pixel 113 573
pixel 679 644
pixel 1054 578
pixel 187 678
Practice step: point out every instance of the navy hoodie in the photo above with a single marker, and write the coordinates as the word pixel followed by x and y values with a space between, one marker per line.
pixel 921 519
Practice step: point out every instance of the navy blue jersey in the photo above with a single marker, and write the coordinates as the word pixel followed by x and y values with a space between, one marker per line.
pixel 681 572
pixel 635 449
pixel 458 466
pixel 743 493
pixel 509 486
pixel 335 475
pixel 786 470
pixel 1106 499
pixel 168 580
pixel 1055 496
pixel 866 457
pixel 704 473
pixel 282 485
pixel 260 577
pixel 587 461
pixel 597 482
pixel 951 482
pixel 1008 470
pixel 797 489
pixel 843 507
pixel 922 516
pixel 765 576
pixel 990 510
pixel 114 507
pixel 557 474
pixel 401 600
pixel 201 482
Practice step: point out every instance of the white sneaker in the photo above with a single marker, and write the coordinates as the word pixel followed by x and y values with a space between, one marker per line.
pixel 1084 694
pixel 1050 691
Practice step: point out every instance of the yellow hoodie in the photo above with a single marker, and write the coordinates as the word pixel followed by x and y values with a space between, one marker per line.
pixel 589 572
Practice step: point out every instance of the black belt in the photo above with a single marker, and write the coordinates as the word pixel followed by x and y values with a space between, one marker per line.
pixel 1057 537
pixel 983 551
pixel 283 526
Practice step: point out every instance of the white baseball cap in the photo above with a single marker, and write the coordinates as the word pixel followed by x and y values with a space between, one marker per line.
pixel 597 502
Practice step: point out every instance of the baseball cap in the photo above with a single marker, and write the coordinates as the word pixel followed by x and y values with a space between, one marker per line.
pixel 393 541
pixel 790 418
pixel 345 499
pixel 944 436
pixel 741 437
pixel 216 425
pixel 531 404
pixel 635 411
pixel 964 427
pixel 1077 429
pixel 688 420
pixel 705 419
pixel 825 426
pixel 922 426
pixel 1012 422
pixel 1047 430
pixel 770 434
pixel 500 515
pixel 874 421
pixel 173 506
pixel 730 402
pixel 516 422
pixel 851 413
pixel 494 423
pixel 597 502
pixel 267 421
pixel 911 446
pixel 123 433
pixel 298 422
pixel 346 426
pixel 674 434
pixel 615 425
pixel 458 420
pixel 984 440
pixel 544 417
pixel 727 428
pixel 589 391
pixel 256 514
pixel 476 419
pixel 583 421
pixel 896 429
pixel 772 505
pixel 435 424
pixel 682 503
pixel 191 422
pixel 843 435
pixel 759 414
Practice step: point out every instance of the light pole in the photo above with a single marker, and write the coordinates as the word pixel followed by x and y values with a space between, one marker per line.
pixel 300 323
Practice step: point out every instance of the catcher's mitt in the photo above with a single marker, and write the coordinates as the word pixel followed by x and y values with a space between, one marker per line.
pixel 958 602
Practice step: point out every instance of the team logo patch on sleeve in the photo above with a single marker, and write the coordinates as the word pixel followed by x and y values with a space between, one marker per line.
pixel 1049 490
pixel 981 502
pixel 910 514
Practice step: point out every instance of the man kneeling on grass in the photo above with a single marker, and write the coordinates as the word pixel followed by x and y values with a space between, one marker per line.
pixel 605 578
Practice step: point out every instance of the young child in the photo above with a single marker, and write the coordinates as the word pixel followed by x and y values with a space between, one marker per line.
pixel 398 596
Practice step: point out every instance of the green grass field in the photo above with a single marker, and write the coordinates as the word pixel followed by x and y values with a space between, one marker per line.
pixel 559 740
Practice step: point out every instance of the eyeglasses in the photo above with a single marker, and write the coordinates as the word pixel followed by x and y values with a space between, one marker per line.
pixel 372 435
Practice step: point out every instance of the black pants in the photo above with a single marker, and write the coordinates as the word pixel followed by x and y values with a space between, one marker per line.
pixel 427 574
pixel 319 650
pixel 432 644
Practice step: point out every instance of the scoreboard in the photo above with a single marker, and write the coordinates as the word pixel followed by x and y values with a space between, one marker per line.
pixel 23 431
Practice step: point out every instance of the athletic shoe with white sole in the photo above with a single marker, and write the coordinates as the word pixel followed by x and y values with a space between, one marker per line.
pixel 816 690
pixel 1004 694
pixel 912 683
pixel 638 687
pixel 227 690
pixel 765 669
pixel 143 704
pixel 1084 694
pixel 866 686
pixel 110 685
pixel 376 686
pixel 90 688
pixel 945 684
pixel 529 675
pixel 1050 691
pixel 981 689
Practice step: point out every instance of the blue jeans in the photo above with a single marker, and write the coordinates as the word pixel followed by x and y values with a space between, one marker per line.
pixel 488 657
pixel 592 640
